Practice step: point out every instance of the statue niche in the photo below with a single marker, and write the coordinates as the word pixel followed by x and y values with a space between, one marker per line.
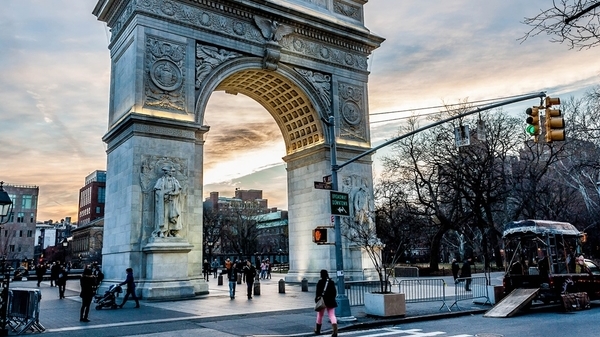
pixel 167 195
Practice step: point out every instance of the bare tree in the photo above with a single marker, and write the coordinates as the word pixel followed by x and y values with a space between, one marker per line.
pixel 574 22
pixel 239 231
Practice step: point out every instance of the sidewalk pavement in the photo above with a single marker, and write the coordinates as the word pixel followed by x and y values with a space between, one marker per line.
pixel 269 313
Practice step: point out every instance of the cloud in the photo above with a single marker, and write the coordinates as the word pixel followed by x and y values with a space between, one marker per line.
pixel 54 88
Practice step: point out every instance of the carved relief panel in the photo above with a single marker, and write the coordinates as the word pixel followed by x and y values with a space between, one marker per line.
pixel 164 75
pixel 353 124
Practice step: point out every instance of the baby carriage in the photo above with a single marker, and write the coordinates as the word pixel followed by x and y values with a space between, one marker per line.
pixel 109 299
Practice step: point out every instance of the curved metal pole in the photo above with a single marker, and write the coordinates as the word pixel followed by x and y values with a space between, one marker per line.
pixel 488 107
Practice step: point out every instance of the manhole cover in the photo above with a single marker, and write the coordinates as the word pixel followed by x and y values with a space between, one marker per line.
pixel 488 335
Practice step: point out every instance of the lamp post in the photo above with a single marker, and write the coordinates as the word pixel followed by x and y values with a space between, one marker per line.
pixel 210 244
pixel 4 295
pixel 5 205
pixel 65 244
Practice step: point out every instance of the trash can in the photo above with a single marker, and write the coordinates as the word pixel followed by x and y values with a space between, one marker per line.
pixel 498 293
pixel 304 285
pixel 220 280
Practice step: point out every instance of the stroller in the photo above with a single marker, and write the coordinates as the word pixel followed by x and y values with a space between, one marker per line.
pixel 109 299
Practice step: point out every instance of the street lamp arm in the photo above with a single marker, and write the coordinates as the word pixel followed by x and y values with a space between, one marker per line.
pixel 476 110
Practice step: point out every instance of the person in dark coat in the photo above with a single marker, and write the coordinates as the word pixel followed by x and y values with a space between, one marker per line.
pixel 465 272
pixel 61 281
pixel 88 289
pixel 54 271
pixel 326 288
pixel 206 269
pixel 455 269
pixel 249 274
pixel 40 271
pixel 232 276
pixel 129 281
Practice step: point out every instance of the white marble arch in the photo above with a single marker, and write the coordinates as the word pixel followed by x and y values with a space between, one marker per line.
pixel 301 60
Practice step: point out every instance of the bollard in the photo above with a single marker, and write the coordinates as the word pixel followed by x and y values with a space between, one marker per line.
pixel 304 285
pixel 256 288
pixel 239 281
pixel 220 280
pixel 281 286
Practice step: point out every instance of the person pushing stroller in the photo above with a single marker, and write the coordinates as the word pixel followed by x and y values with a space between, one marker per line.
pixel 129 281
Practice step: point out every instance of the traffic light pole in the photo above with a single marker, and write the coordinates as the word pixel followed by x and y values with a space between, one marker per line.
pixel 343 308
pixel 488 107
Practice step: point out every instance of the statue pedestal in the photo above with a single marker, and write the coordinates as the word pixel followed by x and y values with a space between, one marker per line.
pixel 166 263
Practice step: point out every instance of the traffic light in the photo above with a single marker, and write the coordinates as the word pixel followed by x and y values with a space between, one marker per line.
pixel 533 121
pixel 319 235
pixel 555 124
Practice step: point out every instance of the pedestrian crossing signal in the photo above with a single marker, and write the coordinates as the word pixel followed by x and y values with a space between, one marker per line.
pixel 319 235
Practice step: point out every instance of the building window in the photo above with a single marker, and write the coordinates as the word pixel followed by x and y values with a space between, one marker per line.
pixel 11 217
pixel 20 234
pixel 20 217
pixel 101 194
pixel 27 201
pixel 97 209
pixel 29 233
pixel 11 248
pixel 32 217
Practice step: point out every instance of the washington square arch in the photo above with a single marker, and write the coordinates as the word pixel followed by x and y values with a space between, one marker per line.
pixel 302 60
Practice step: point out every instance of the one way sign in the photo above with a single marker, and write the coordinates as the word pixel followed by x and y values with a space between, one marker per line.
pixel 339 203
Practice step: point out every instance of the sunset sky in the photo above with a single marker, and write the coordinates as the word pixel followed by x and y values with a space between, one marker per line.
pixel 56 68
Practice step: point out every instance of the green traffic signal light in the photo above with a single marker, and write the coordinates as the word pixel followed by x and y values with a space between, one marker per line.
pixel 533 121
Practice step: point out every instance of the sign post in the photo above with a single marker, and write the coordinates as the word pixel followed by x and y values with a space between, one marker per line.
pixel 343 308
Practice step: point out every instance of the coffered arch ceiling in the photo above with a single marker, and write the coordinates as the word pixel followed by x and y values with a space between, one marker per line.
pixel 289 105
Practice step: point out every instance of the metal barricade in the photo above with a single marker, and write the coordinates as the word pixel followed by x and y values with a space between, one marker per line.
pixel 355 290
pixel 424 290
pixel 469 288
pixel 24 310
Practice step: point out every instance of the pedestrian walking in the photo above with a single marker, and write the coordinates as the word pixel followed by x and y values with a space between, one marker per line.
pixel 88 290
pixel 54 271
pixel 130 282
pixel 326 289
pixel 61 281
pixel 206 269
pixel 455 269
pixel 232 276
pixel 465 272
pixel 249 274
pixel 215 267
pixel 97 274
pixel 40 271
pixel 268 269
pixel 263 270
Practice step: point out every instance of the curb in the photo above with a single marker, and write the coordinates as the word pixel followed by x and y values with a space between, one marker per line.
pixel 400 320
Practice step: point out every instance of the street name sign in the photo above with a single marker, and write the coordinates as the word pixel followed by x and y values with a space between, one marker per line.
pixel 322 186
pixel 339 203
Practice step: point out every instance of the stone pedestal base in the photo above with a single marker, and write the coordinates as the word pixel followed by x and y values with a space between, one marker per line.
pixel 166 263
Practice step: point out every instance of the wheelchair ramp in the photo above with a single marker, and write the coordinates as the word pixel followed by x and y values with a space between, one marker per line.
pixel 509 305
